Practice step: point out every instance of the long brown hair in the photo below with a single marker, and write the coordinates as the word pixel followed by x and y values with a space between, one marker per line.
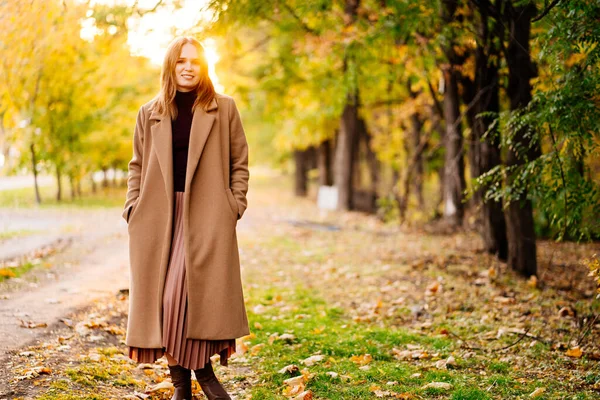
pixel 165 103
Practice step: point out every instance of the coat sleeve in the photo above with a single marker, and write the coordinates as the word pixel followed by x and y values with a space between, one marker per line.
pixel 135 165
pixel 239 173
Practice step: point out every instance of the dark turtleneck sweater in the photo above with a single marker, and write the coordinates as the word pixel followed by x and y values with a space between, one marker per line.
pixel 180 128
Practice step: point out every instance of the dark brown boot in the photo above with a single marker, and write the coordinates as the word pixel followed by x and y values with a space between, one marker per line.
pixel 182 380
pixel 210 384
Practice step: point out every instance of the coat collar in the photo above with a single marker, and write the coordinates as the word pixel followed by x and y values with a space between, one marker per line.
pixel 202 122
pixel 213 105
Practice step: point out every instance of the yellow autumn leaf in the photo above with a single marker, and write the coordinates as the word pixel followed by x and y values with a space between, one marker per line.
pixel 575 58
pixel 362 359
pixel 318 330
pixel 7 273
pixel 574 352
pixel 254 350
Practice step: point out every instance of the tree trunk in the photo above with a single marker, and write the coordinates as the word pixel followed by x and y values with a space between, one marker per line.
pixel 454 179
pixel 38 198
pixel 469 91
pixel 105 178
pixel 522 251
pixel 416 125
pixel 93 182
pixel 344 157
pixel 58 185
pixel 114 180
pixel 371 158
pixel 436 126
pixel 78 187
pixel 72 186
pixel 324 163
pixel 485 154
pixel 300 185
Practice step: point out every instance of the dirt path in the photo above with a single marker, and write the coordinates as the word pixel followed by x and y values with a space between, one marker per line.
pixel 92 265
pixel 387 310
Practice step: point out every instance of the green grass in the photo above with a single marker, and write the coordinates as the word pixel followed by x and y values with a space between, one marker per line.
pixel 17 233
pixel 63 390
pixel 15 272
pixel 89 373
pixel 25 197
pixel 321 329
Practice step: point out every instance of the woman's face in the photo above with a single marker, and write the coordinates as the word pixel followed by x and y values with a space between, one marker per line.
pixel 187 69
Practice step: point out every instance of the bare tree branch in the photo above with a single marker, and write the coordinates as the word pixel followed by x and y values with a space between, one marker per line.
pixel 141 13
pixel 546 11
pixel 298 19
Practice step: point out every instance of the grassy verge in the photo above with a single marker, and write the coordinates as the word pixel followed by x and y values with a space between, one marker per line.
pixel 359 361
pixel 402 313
pixel 6 235
pixel 15 272
pixel 25 198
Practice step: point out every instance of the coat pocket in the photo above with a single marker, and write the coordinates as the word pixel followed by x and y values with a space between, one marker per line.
pixel 133 207
pixel 232 202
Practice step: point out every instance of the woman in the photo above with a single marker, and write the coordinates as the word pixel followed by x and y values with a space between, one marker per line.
pixel 187 186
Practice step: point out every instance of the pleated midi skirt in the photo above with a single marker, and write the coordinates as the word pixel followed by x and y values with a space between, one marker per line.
pixel 189 353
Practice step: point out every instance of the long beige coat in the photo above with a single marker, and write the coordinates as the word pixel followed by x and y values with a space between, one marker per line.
pixel 215 198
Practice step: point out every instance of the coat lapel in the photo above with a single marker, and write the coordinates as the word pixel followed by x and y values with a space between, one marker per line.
pixel 163 145
pixel 162 139
pixel 202 122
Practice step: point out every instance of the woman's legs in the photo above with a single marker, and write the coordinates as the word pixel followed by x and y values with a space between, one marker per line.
pixel 210 384
pixel 181 378
pixel 170 359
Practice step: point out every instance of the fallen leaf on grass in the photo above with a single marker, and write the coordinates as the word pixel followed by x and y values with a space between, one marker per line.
pixel 289 369
pixel 504 300
pixel 537 392
pixel 362 359
pixel 306 395
pixel 574 352
pixel 115 330
pixel 410 354
pixel 594 356
pixel 533 281
pixel 295 386
pixel 31 324
pixel 312 360
pixel 254 350
pixel 7 273
pixel 286 337
pixel 433 288
pixel 164 385
pixel 241 347
pixel 386 393
pixel 318 331
pixel 34 372
pixel 566 312
pixel 137 395
pixel 438 385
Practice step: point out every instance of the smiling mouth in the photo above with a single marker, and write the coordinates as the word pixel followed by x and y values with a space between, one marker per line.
pixel 188 76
